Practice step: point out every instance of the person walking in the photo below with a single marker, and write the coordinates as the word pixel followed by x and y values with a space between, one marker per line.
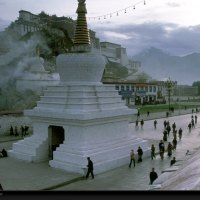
pixel 174 141
pixel 161 149
pixel 189 127
pixel 22 131
pixel 153 152
pixel 138 114
pixel 174 126
pixel 175 133
pixel 90 168
pixel 165 123
pixel 132 158
pixel 192 122
pixel 153 176
pixel 155 123
pixel 180 131
pixel 168 129
pixel 16 131
pixel 140 153
pixel 142 123
pixel 165 135
pixel 11 131
pixel 195 117
pixel 136 123
pixel 169 149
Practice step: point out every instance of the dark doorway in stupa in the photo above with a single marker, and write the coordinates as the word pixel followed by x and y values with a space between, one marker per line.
pixel 56 137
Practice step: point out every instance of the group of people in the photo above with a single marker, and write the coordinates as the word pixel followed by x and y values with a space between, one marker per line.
pixel 137 123
pixel 133 156
pixel 171 145
pixel 192 122
pixel 15 132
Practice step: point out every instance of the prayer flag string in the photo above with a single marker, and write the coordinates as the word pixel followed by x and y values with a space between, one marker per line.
pixel 116 13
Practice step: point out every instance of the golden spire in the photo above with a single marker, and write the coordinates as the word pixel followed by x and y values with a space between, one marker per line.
pixel 82 33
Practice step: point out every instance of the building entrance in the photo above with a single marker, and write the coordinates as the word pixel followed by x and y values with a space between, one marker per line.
pixel 56 137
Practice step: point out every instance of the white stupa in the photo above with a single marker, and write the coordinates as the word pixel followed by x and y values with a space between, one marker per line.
pixel 80 117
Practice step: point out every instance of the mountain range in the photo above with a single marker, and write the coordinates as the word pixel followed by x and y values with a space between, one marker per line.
pixel 161 65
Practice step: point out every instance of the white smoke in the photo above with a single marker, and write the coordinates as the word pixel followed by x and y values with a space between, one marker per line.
pixel 16 60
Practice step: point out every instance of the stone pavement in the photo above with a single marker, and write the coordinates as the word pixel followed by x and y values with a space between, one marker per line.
pixel 16 175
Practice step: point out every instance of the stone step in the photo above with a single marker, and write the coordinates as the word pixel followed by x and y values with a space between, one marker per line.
pixel 80 100
pixel 20 155
pixel 80 106
pixel 81 94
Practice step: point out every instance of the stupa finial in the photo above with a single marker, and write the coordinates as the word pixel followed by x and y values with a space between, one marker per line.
pixel 82 38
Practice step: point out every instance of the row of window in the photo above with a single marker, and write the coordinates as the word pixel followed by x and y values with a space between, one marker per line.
pixel 30 28
pixel 136 88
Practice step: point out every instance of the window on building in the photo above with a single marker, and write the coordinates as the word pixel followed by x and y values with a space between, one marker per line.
pixel 146 89
pixel 137 88
pixel 132 99
pixel 133 88
pixel 154 89
pixel 117 87
pixel 122 87
pixel 150 88
pixel 127 87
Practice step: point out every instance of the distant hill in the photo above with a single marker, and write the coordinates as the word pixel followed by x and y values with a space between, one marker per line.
pixel 160 65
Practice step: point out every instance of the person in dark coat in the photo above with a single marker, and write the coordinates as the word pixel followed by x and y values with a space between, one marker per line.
pixel 142 123
pixel 16 131
pixel 136 124
pixel 161 149
pixel 4 153
pixel 180 131
pixel 168 128
pixel 11 131
pixel 140 153
pixel 155 123
pixel 165 135
pixel 195 119
pixel 192 122
pixel 153 176
pixel 174 141
pixel 174 126
pixel 165 123
pixel 22 131
pixel 189 127
pixel 90 168
pixel 173 161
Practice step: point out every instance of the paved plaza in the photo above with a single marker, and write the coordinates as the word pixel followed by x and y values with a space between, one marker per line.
pixel 19 175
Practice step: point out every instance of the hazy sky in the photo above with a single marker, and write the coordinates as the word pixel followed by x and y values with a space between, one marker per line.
pixel 171 25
